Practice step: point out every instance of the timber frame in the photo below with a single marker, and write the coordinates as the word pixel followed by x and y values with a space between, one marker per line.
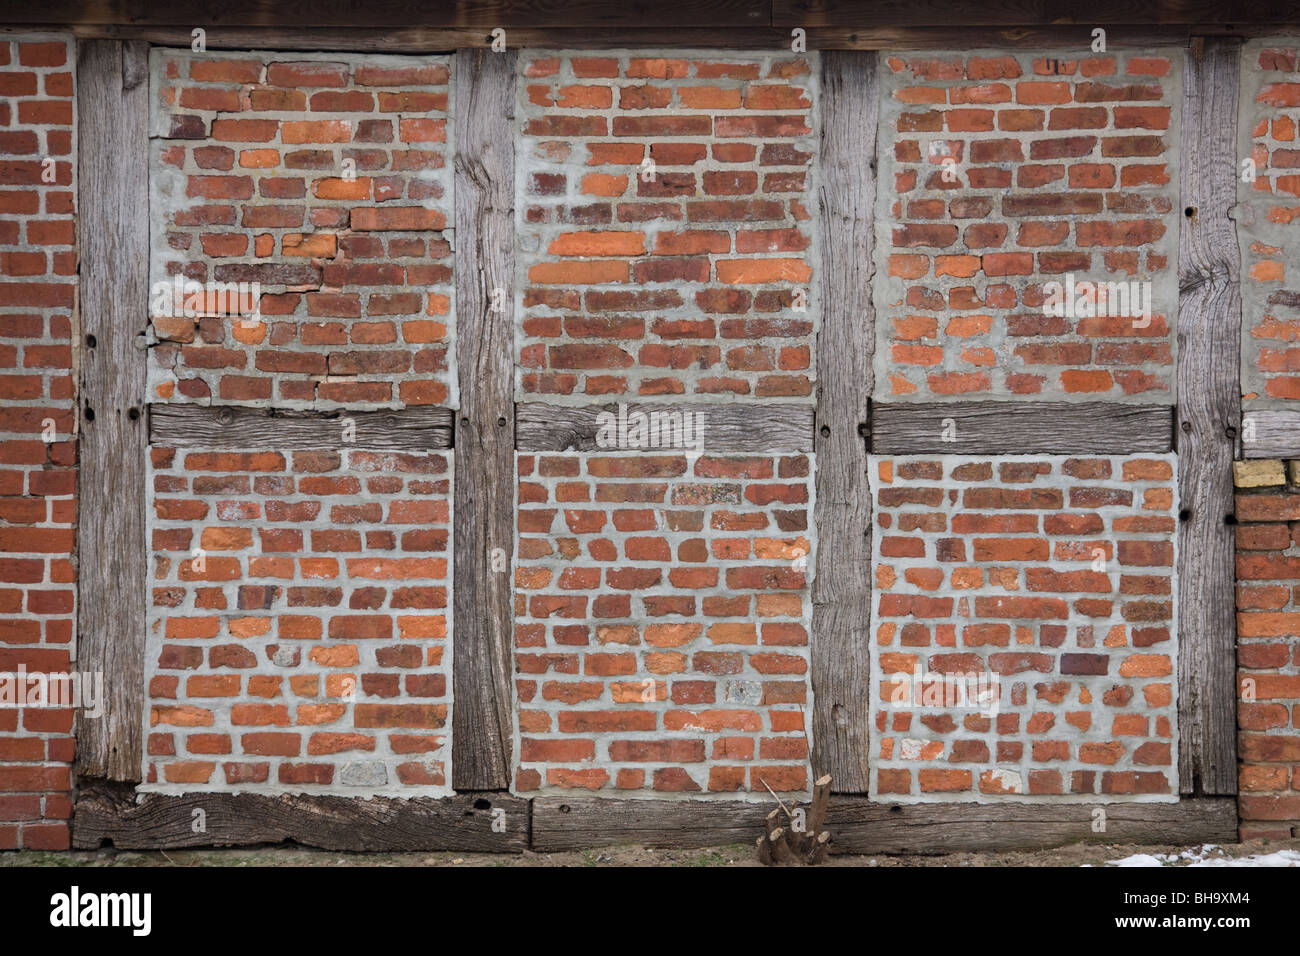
pixel 841 428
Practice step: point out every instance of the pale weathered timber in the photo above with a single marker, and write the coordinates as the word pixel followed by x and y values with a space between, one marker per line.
pixel 841 666
pixel 113 235
pixel 483 514
pixel 1020 428
pixel 719 428
pixel 1270 433
pixel 859 826
pixel 464 822
pixel 200 426
pixel 1208 415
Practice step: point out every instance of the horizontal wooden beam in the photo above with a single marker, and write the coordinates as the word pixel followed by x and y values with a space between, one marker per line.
pixel 1021 428
pixel 464 822
pixel 858 826
pixel 109 814
pixel 398 13
pixel 1226 14
pixel 203 426
pixel 719 428
pixel 426 39
pixel 1270 433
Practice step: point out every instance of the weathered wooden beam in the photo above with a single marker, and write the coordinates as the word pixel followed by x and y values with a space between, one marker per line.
pixel 1020 428
pixel 858 826
pixel 721 427
pixel 847 14
pixel 113 233
pixel 841 665
pixel 423 39
pixel 201 426
pixel 464 822
pixel 1208 415
pixel 561 14
pixel 1270 433
pixel 483 513
pixel 861 827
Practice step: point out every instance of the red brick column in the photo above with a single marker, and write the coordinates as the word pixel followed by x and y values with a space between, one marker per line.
pixel 1268 648
pixel 38 451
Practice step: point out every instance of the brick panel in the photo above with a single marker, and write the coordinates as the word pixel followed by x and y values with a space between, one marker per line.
pixel 327 180
pixel 1000 174
pixel 299 634
pixel 662 618
pixel 1269 226
pixel 1048 579
pixel 1268 656
pixel 665 241
pixel 38 450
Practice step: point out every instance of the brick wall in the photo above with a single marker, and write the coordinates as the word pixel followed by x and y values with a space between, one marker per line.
pixel 1268 648
pixel 38 451
pixel 1050 581
pixel 325 179
pixel 1000 174
pixel 667 247
pixel 1269 189
pixel 662 622
pixel 300 624
pixel 665 241
pixel 666 251
pixel 300 631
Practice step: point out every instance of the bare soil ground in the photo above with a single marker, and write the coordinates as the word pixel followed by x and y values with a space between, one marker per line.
pixel 1095 854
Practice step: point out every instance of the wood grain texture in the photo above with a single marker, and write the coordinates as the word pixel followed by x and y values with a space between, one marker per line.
pixel 202 426
pixel 1020 428
pixel 109 815
pixel 300 35
pixel 1209 412
pixel 726 428
pixel 483 515
pixel 113 233
pixel 861 827
pixel 849 14
pixel 1272 433
pixel 841 665
pixel 858 826
pixel 563 14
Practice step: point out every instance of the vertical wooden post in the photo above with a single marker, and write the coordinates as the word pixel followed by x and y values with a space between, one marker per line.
pixel 483 519
pixel 1209 413
pixel 841 666
pixel 113 233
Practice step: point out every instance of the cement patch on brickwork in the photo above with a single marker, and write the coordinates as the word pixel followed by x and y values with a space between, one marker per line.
pixel 1000 173
pixel 668 242
pixel 663 616
pixel 1268 224
pixel 1023 629
pixel 327 179
pixel 300 630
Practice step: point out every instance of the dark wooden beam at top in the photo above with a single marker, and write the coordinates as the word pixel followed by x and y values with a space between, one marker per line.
pixel 1239 17
pixel 507 14
pixel 428 39
pixel 854 14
